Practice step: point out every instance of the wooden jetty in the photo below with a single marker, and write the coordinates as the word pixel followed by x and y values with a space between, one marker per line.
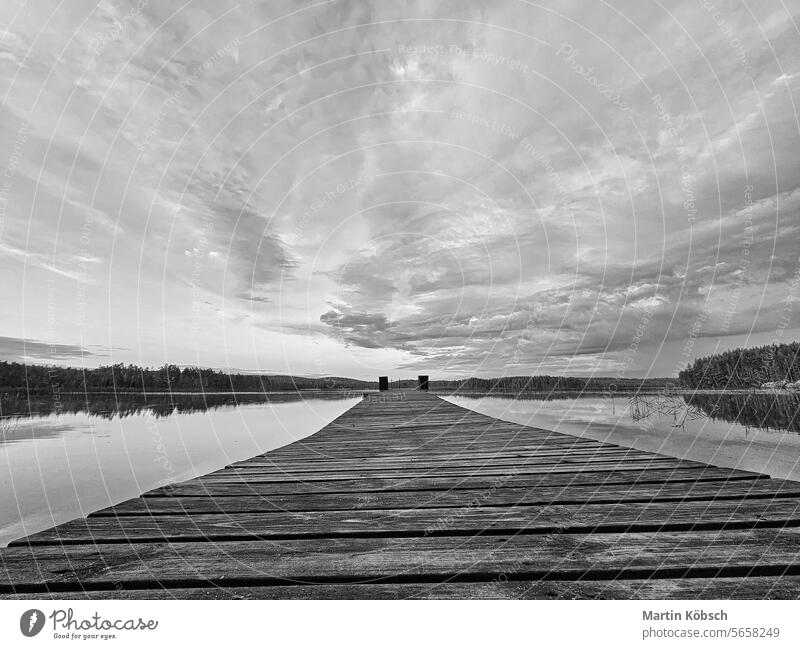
pixel 407 495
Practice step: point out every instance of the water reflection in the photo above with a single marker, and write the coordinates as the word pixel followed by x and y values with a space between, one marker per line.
pixel 775 412
pixel 749 431
pixel 62 461
pixel 113 405
pixel 673 406
pixel 765 411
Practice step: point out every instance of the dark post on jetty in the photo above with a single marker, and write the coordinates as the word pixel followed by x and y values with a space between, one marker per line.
pixel 422 382
pixel 383 383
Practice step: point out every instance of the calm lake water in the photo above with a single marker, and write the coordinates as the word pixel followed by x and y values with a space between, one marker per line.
pixel 58 465
pixel 752 432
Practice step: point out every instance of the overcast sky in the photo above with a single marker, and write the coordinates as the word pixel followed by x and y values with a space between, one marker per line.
pixel 357 188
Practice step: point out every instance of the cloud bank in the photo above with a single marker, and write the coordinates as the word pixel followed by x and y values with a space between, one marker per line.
pixel 362 187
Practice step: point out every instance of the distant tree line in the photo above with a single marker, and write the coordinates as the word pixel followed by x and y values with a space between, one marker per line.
pixel 167 378
pixel 172 378
pixel 744 368
pixel 544 383
pixel 110 405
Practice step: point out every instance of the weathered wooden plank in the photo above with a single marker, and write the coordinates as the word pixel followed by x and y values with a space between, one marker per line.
pixel 207 484
pixel 458 454
pixel 422 471
pixel 299 468
pixel 498 496
pixel 271 476
pixel 323 467
pixel 574 519
pixel 436 456
pixel 454 462
pixel 449 426
pixel 725 553
pixel 360 433
pixel 397 447
pixel 702 588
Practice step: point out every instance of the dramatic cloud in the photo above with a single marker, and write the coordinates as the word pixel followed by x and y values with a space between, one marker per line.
pixel 357 187
pixel 19 350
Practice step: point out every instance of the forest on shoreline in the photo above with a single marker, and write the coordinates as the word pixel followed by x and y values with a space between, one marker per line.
pixel 167 378
pixel 172 378
pixel 744 368
pixel 545 383
pixel 737 369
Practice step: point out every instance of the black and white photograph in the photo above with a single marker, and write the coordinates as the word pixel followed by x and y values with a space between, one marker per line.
pixel 359 300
